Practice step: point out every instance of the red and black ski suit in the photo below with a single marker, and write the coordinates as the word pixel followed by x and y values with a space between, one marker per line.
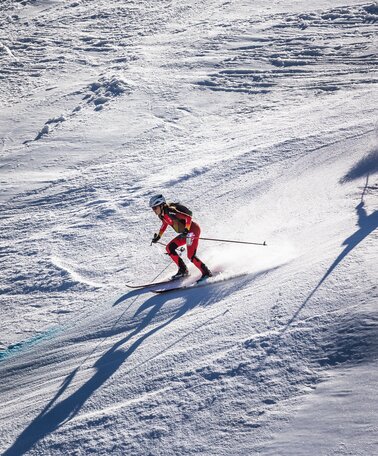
pixel 180 221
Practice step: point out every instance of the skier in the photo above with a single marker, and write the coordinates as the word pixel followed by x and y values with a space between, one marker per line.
pixel 180 219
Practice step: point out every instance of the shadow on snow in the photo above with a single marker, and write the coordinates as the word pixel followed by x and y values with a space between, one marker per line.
pixel 56 414
pixel 366 225
pixel 366 166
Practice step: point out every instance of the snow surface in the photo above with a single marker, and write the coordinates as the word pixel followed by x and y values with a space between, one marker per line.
pixel 261 117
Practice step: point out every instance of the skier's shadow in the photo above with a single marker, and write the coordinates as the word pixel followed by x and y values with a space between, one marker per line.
pixel 55 414
pixel 131 294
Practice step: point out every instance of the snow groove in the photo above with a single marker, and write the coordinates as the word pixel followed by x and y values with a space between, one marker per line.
pixel 322 58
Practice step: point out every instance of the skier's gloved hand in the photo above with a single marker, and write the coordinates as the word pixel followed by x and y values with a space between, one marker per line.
pixel 184 233
pixel 155 239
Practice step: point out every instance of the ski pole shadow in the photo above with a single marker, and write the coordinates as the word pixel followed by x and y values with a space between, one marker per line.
pixel 54 414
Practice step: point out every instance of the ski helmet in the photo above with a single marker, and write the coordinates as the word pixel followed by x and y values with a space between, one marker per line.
pixel 156 200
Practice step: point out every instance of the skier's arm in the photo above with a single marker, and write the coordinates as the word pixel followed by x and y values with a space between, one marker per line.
pixel 188 222
pixel 163 228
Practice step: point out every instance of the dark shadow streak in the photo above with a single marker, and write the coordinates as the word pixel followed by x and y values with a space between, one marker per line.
pixel 130 294
pixel 367 224
pixel 367 165
pixel 54 415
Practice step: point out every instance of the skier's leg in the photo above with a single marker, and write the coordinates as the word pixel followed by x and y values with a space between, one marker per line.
pixel 200 265
pixel 171 250
pixel 192 250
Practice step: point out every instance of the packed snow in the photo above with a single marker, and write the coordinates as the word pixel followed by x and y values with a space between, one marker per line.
pixel 260 117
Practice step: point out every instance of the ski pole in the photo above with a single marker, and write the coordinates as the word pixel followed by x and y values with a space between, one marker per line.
pixel 181 249
pixel 234 242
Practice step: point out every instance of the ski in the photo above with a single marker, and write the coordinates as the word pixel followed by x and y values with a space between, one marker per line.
pixel 152 284
pixel 197 284
pixel 183 287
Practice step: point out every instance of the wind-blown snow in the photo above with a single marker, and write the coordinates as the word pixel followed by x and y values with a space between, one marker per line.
pixel 262 119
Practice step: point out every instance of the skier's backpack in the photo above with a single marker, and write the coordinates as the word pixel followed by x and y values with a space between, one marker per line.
pixel 181 208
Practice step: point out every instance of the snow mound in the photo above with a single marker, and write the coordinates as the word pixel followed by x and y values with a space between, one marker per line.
pixel 103 90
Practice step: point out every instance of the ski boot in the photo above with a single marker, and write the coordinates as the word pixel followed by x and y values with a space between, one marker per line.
pixel 182 272
pixel 206 273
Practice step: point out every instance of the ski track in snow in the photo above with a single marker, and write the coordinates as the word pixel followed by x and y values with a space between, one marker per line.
pixel 262 119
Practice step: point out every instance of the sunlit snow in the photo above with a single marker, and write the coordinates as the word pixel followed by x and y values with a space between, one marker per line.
pixel 262 118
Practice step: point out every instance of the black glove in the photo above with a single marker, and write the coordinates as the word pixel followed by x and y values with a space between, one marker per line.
pixel 155 239
pixel 184 233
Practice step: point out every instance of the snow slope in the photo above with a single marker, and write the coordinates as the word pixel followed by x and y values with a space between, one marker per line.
pixel 260 118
